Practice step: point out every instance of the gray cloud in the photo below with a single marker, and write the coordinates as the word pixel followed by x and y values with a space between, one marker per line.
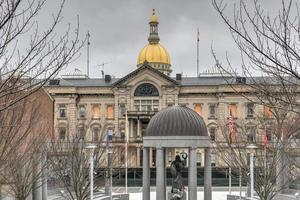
pixel 119 30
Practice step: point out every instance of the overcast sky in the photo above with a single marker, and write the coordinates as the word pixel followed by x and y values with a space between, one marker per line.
pixel 119 30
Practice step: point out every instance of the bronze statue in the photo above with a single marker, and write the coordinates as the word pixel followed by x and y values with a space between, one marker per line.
pixel 177 167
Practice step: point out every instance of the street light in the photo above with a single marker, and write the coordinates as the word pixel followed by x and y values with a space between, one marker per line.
pixel 252 148
pixel 92 147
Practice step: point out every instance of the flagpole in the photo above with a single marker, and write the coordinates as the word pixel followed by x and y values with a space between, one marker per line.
pixel 126 153
pixel 265 150
pixel 198 39
pixel 126 167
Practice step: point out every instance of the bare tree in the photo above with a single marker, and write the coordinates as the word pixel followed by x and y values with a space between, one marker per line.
pixel 40 55
pixel 24 130
pixel 69 162
pixel 269 46
pixel 231 148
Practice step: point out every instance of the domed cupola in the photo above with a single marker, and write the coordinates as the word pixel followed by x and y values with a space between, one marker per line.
pixel 154 53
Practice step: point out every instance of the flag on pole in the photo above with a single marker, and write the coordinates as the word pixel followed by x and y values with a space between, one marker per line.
pixel 266 141
pixel 231 126
pixel 198 35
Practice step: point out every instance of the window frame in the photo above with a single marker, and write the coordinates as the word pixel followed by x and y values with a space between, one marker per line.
pixel 210 115
pixel 62 107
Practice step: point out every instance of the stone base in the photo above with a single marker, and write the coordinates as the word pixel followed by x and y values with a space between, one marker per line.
pixel 117 196
pixel 170 195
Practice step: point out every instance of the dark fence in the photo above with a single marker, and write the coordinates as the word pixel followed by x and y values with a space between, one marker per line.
pixel 220 177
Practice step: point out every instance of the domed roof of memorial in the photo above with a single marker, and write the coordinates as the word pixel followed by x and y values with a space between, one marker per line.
pixel 176 121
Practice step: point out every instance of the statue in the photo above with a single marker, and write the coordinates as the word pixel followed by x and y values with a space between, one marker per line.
pixel 176 170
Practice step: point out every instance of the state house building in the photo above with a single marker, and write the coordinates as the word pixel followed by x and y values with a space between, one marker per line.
pixel 87 107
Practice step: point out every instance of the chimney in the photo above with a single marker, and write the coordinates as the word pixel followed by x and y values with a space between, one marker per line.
pixel 107 78
pixel 54 82
pixel 240 79
pixel 178 77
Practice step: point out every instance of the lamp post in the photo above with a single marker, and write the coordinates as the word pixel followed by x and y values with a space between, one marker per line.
pixel 252 148
pixel 92 147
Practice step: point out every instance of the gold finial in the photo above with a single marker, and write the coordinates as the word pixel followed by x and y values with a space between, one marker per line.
pixel 153 17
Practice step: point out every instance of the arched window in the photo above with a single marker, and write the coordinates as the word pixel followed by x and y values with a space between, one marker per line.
pixel 146 98
pixel 96 133
pixel 146 89
pixel 62 133
pixel 81 133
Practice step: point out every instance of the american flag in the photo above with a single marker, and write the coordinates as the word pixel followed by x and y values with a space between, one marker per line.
pixel 266 141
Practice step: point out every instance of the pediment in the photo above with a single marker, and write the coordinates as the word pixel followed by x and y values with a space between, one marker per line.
pixel 145 74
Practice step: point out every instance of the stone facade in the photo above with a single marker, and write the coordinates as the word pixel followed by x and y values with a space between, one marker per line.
pixel 75 100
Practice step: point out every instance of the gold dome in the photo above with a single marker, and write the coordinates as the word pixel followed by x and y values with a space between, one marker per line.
pixel 154 53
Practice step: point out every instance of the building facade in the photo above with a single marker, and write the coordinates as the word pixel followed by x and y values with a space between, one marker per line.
pixel 88 107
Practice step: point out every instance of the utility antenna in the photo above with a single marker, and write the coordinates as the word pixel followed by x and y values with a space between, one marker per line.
pixel 198 39
pixel 88 54
pixel 102 67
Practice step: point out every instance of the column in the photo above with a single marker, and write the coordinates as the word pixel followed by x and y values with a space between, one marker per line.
pixel 37 184
pixel 131 128
pixel 146 174
pixel 164 172
pixel 72 116
pixel 150 156
pixel 138 157
pixel 160 176
pixel 207 174
pixel 193 174
pixel 138 128
pixel 44 184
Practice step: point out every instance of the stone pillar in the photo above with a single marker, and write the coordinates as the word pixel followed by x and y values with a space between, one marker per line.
pixel 44 184
pixel 193 174
pixel 37 183
pixel 131 128
pixel 146 174
pixel 165 174
pixel 207 175
pixel 72 116
pixel 150 156
pixel 138 156
pixel 138 129
pixel 160 176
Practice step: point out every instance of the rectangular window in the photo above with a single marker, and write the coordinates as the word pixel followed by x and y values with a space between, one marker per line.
pixel 81 133
pixel 212 110
pixel 96 133
pixel 233 110
pixel 212 133
pixel 146 105
pixel 122 110
pixel 213 159
pixel 82 111
pixel 96 112
pixel 62 111
pixel 267 112
pixel 170 156
pixel 250 109
pixel 251 134
pixel 198 108
pixel 269 133
pixel 110 112
pixel 62 133
pixel 199 159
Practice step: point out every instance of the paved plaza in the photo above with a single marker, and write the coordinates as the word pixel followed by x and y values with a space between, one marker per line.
pixel 219 193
